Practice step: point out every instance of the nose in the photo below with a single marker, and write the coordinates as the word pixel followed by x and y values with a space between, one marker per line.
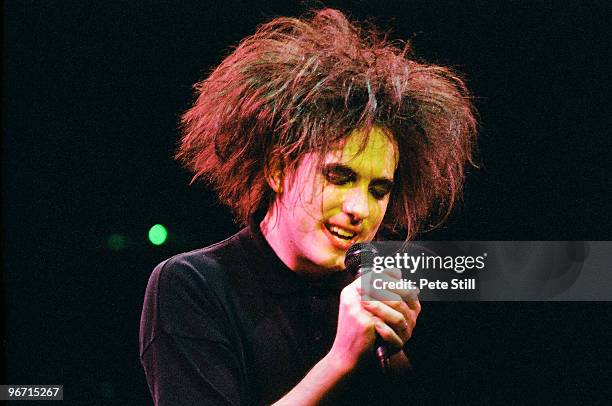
pixel 356 205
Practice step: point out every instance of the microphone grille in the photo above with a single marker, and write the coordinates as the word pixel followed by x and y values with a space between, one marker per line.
pixel 360 255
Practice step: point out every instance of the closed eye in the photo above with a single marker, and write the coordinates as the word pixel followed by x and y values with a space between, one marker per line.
pixel 380 188
pixel 339 174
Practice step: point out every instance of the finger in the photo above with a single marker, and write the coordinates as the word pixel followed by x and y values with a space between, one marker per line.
pixel 393 273
pixel 388 334
pixel 393 299
pixel 411 295
pixel 380 295
pixel 400 320
pixel 390 299
pixel 414 305
pixel 376 285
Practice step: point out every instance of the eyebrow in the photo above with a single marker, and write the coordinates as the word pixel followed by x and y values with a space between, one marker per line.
pixel 349 171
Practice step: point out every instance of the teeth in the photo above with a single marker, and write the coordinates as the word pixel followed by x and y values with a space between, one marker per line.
pixel 341 232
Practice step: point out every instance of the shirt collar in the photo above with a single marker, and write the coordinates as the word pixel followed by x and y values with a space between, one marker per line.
pixel 277 278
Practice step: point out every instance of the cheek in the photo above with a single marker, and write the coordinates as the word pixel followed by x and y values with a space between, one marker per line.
pixel 377 212
pixel 303 202
pixel 331 198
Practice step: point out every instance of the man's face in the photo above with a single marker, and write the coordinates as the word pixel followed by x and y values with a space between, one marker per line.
pixel 322 211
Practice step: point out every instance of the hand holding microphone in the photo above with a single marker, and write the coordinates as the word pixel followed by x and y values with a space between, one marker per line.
pixel 393 312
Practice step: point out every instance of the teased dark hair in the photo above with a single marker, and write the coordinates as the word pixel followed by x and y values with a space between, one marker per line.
pixel 301 85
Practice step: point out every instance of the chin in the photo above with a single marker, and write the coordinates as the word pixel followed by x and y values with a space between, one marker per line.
pixel 320 256
pixel 332 262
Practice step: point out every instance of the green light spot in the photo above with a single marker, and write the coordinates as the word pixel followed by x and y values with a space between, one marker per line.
pixel 158 234
pixel 116 242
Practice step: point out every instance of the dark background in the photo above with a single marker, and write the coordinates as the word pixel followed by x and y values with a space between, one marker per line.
pixel 92 92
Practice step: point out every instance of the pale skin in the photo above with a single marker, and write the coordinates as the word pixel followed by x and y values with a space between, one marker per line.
pixel 318 213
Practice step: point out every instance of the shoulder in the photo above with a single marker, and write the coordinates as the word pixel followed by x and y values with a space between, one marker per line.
pixel 188 287
pixel 207 266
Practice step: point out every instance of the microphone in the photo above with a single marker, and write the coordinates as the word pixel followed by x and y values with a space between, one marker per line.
pixel 359 260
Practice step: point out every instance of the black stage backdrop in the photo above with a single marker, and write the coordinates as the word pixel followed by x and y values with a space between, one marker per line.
pixel 92 92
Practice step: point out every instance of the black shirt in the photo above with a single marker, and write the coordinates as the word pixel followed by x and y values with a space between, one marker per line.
pixel 230 324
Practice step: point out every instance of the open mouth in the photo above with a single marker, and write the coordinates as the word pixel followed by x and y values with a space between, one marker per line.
pixel 340 232
pixel 341 238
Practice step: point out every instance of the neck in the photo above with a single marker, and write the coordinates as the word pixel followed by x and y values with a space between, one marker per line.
pixel 283 247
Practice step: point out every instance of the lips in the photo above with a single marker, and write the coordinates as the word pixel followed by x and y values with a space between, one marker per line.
pixel 340 232
pixel 340 237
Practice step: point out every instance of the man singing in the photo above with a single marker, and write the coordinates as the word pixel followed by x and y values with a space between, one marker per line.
pixel 318 133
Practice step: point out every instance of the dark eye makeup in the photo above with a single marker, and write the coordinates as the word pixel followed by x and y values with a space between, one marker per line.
pixel 381 188
pixel 338 174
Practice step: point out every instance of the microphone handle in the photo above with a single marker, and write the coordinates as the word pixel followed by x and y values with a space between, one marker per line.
pixel 383 357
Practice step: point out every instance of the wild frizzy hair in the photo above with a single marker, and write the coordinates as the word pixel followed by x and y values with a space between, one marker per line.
pixel 305 84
